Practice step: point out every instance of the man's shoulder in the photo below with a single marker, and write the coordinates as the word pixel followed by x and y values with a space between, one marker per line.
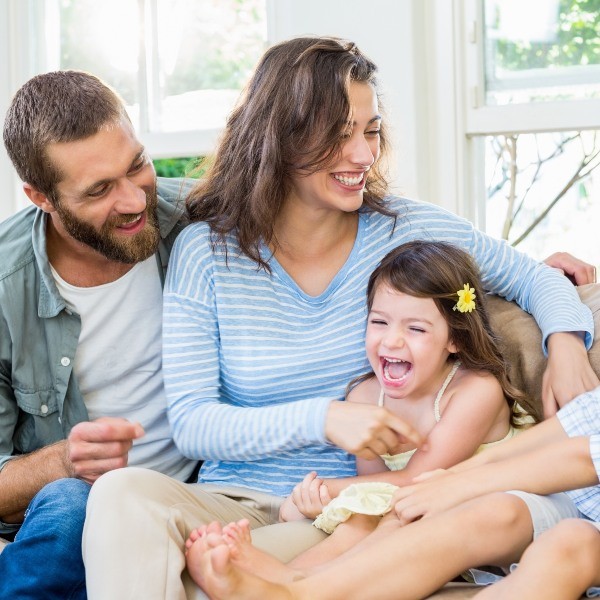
pixel 174 190
pixel 16 248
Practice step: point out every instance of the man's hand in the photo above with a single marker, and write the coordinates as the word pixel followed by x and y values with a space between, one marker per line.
pixel 432 493
pixel 576 270
pixel 96 447
pixel 366 430
pixel 568 372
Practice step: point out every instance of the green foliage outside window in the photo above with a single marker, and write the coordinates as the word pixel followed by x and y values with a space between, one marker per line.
pixel 179 167
pixel 577 41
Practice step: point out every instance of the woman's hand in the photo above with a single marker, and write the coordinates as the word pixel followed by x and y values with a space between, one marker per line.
pixel 366 430
pixel 568 372
pixel 578 271
pixel 306 500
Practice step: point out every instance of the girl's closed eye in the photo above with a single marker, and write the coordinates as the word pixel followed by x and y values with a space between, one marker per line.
pixel 415 329
pixel 377 321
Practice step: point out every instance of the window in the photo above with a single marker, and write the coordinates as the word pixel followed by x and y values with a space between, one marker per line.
pixel 179 64
pixel 532 117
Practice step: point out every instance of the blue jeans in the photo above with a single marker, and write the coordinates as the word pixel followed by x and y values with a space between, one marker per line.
pixel 45 559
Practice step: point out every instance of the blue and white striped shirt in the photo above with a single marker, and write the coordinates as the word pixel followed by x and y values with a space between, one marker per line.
pixel 251 362
pixel 581 416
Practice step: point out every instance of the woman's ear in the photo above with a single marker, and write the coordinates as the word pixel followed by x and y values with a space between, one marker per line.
pixel 451 347
pixel 38 198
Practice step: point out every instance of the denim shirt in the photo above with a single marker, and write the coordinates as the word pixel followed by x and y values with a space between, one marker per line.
pixel 40 400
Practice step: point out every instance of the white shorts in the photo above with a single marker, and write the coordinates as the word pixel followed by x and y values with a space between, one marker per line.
pixel 546 512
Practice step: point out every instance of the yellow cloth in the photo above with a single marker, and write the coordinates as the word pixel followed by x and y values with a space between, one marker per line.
pixel 371 498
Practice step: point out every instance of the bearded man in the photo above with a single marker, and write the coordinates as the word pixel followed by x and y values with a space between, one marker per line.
pixel 81 272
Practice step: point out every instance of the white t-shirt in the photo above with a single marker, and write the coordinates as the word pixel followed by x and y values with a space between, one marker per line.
pixel 118 362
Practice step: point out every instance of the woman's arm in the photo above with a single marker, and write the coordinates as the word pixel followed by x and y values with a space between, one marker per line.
pixel 566 323
pixel 224 332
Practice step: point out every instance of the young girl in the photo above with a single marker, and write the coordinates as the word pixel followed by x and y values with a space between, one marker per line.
pixel 436 365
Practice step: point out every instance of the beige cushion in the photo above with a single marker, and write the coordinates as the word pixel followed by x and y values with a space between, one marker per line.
pixel 521 340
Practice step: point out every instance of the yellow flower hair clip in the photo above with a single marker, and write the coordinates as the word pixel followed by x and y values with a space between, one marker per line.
pixel 466 299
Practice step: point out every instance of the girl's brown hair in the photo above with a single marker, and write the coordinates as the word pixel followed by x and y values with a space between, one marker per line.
pixel 290 119
pixel 437 270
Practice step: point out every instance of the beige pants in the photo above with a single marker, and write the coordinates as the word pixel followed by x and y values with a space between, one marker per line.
pixel 138 520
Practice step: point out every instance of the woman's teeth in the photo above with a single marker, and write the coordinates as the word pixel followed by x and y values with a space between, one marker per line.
pixel 349 180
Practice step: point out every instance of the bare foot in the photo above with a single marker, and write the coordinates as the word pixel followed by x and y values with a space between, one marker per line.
pixel 249 558
pixel 210 564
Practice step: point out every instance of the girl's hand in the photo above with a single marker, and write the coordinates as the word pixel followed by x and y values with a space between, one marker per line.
pixel 568 373
pixel 310 496
pixel 288 511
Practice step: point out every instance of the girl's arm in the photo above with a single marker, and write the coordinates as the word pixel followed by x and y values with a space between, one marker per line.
pixel 366 392
pixel 471 413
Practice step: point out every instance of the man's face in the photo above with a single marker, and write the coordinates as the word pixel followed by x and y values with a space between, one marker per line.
pixel 106 198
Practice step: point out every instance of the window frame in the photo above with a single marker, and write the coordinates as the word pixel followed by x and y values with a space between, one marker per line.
pixel 534 117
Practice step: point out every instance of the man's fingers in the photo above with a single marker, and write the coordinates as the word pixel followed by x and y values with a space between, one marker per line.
pixel 106 430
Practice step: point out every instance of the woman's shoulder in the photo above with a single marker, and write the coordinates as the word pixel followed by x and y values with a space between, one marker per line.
pixel 194 234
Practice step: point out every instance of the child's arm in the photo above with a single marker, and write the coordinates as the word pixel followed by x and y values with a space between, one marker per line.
pixel 471 413
pixel 306 500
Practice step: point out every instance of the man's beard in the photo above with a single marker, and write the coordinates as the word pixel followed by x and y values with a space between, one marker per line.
pixel 120 248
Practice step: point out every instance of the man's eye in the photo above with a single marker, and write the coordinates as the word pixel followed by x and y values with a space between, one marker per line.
pixel 99 192
pixel 140 164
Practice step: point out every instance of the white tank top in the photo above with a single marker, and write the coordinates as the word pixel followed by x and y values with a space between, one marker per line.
pixel 118 362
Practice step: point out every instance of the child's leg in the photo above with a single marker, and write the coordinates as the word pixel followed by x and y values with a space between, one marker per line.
pixel 411 562
pixel 344 537
pixel 242 554
pixel 561 564
pixel 249 558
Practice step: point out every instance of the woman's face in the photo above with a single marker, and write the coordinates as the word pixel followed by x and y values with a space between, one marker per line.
pixel 341 186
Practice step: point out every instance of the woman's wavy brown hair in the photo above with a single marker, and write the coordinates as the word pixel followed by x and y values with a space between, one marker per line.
pixel 437 270
pixel 290 119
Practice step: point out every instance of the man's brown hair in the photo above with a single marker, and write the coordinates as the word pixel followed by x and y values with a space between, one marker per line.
pixel 60 106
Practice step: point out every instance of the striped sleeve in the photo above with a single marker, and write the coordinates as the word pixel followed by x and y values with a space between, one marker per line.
pixel 540 290
pixel 204 425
